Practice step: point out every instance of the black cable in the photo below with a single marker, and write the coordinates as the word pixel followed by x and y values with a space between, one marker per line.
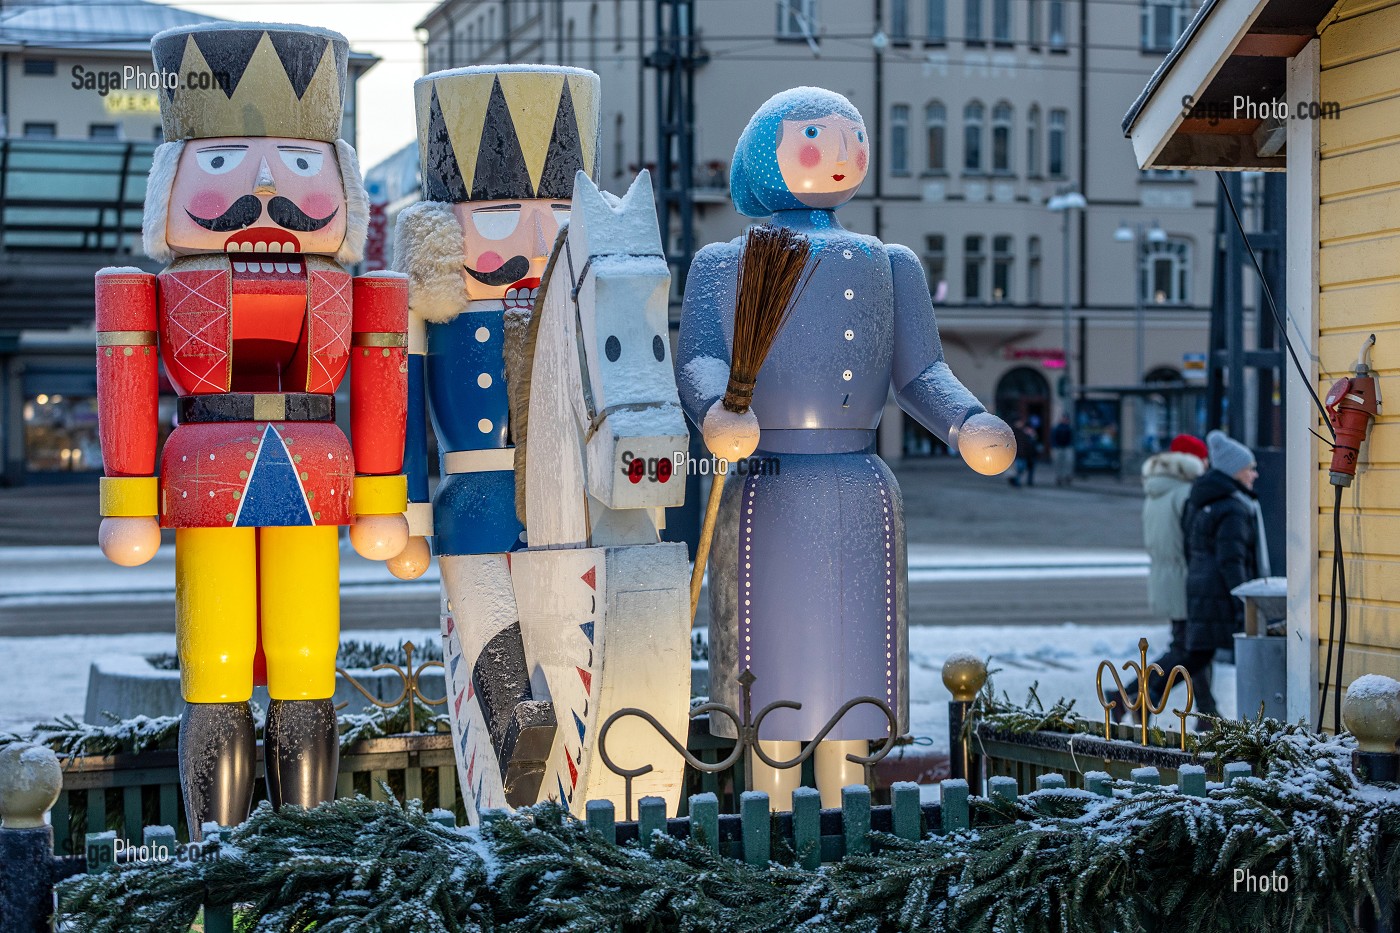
pixel 1331 640
pixel 1273 308
pixel 1339 594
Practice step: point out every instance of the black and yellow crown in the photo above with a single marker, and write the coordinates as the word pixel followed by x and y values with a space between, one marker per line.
pixel 251 79
pixel 494 132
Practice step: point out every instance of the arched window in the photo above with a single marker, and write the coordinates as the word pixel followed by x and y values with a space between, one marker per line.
pixel 1033 141
pixel 1164 278
pixel 899 139
pixel 1059 138
pixel 936 134
pixel 1001 138
pixel 972 136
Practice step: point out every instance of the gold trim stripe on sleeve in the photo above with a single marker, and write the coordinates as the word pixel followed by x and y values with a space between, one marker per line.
pixel 379 339
pixel 126 338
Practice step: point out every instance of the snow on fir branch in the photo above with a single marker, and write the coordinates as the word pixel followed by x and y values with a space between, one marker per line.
pixel 1052 861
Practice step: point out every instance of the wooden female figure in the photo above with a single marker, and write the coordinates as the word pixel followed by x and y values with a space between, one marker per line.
pixel 807 581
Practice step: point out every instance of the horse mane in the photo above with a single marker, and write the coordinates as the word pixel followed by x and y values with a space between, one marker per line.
pixel 522 333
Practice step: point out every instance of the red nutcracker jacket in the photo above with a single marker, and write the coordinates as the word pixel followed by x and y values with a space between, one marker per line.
pixel 256 352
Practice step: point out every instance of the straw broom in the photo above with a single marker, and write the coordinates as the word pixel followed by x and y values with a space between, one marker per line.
pixel 773 271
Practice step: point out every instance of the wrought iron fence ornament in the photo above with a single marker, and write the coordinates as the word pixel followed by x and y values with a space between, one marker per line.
pixel 746 727
pixel 1142 705
pixel 409 675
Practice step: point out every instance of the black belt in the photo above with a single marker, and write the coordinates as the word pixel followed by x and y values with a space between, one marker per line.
pixel 256 406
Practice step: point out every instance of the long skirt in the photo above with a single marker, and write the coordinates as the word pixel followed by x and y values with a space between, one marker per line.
pixel 807 593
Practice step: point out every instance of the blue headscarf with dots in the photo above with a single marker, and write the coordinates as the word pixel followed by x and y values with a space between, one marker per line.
pixel 755 182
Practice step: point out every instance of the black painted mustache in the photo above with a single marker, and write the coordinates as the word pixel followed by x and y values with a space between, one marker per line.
pixel 246 210
pixel 241 213
pixel 285 213
pixel 512 270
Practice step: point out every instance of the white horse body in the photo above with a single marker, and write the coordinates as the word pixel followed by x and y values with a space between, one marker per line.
pixel 602 602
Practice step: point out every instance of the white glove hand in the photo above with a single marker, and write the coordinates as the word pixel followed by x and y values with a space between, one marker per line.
pixel 730 436
pixel 986 443
pixel 379 537
pixel 129 542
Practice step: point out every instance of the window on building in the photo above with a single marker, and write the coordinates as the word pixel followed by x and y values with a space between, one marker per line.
pixel 974 269
pixel 972 22
pixel 40 130
pixel 570 56
pixel 1002 261
pixel 1033 270
pixel 619 160
pixel 899 20
pixel 471 41
pixel 617 25
pixel 158 133
pixel 935 261
pixel 593 38
pixel 1033 23
pixel 936 23
pixel 797 19
pixel 1033 142
pixel 490 27
pixel 1162 22
pixel 936 133
pixel 1001 22
pixel 1059 126
pixel 972 137
pixel 899 139
pixel 40 67
pixel 103 131
pixel 1001 138
pixel 1164 277
pixel 1164 174
pixel 1059 29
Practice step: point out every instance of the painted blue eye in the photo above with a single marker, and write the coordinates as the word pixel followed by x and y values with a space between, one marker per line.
pixel 812 132
pixel 860 137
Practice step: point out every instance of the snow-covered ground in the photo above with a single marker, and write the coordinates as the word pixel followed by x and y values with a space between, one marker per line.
pixel 47 676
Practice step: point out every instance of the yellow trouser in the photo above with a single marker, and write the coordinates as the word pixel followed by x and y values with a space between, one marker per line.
pixel 228 581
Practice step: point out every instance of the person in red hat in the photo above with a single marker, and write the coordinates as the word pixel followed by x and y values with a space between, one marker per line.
pixel 1166 481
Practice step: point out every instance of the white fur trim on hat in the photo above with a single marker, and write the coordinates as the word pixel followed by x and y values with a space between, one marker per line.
pixel 157 209
pixel 428 246
pixel 352 248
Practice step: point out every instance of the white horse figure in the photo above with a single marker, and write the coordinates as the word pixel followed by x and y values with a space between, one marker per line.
pixel 602 602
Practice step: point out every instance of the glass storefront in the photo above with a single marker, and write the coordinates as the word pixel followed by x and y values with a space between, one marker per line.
pixel 60 434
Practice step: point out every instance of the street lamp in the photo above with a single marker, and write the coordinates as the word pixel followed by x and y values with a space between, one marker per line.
pixel 1063 203
pixel 1140 235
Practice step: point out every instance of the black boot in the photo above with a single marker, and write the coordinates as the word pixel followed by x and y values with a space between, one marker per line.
pixel 217 754
pixel 522 728
pixel 301 752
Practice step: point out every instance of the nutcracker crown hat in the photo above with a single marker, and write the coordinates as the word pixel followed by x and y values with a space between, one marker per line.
pixel 251 79
pixel 495 132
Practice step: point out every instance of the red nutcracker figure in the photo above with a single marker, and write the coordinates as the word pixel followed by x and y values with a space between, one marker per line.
pixel 257 205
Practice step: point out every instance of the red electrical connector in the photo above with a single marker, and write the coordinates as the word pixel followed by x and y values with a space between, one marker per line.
pixel 1352 404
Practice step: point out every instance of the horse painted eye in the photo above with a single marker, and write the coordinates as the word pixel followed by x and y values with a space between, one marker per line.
pixel 658 348
pixel 613 348
pixel 811 132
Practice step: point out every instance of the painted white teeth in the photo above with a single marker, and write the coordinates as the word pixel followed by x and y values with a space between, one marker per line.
pixel 295 267
pixel 266 266
pixel 240 267
pixel 260 248
pixel 280 266
pixel 246 247
pixel 288 248
pixel 274 247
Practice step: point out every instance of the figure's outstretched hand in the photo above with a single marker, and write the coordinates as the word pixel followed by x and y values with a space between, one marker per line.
pixel 987 444
pixel 730 436
pixel 379 537
pixel 129 541
pixel 412 562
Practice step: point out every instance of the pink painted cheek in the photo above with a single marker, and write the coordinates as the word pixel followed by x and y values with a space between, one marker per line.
pixel 208 203
pixel 319 205
pixel 861 160
pixel 809 155
pixel 488 262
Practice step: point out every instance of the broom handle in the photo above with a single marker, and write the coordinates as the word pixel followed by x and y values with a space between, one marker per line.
pixel 702 548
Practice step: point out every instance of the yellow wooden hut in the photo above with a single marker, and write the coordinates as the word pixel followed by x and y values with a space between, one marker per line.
pixel 1312 88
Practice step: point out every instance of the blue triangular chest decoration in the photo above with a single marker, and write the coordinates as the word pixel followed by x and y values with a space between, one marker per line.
pixel 273 495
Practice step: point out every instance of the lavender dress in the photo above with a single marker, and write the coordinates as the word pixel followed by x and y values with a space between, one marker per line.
pixel 807 571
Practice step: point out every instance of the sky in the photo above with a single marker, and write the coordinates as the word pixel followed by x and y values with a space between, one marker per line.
pixel 380 27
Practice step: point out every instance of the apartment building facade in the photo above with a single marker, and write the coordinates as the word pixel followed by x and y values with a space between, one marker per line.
pixel 982 110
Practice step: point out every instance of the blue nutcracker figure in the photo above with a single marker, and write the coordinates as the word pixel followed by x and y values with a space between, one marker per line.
pixel 807 578
pixel 499 149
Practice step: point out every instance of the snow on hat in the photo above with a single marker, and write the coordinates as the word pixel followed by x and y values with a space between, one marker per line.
pixel 1228 455
pixel 1189 444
